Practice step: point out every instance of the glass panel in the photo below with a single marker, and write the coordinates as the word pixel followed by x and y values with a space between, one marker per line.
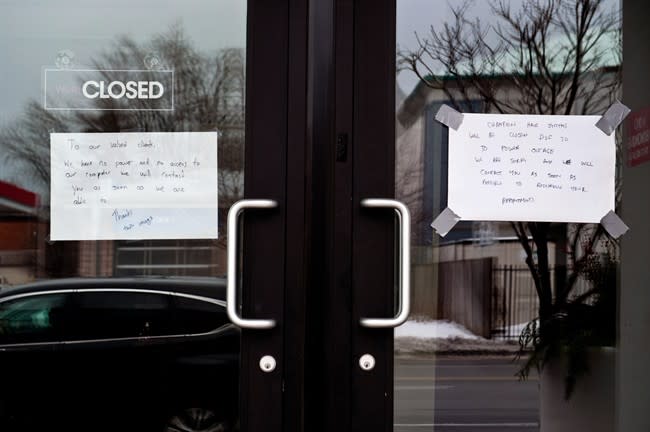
pixel 204 46
pixel 172 258
pixel 107 315
pixel 479 292
pixel 136 67
pixel 197 316
pixel 32 319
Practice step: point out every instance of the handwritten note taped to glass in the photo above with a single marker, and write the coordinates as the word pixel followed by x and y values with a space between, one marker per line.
pixel 531 168
pixel 131 186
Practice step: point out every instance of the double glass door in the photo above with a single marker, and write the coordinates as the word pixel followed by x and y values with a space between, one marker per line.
pixel 309 230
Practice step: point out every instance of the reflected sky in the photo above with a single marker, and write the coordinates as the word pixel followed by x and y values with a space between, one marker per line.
pixel 34 33
pixel 417 16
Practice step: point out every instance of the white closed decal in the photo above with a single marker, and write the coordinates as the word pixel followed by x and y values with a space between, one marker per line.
pixel 108 90
pixel 118 89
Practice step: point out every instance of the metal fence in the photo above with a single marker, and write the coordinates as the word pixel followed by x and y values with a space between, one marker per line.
pixel 514 299
pixel 491 301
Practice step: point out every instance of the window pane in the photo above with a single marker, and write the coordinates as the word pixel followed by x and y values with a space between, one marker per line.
pixel 103 315
pixel 49 51
pixel 195 316
pixel 203 44
pixel 32 319
pixel 169 258
pixel 496 286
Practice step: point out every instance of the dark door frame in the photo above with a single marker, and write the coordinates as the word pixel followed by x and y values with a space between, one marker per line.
pixel 273 246
pixel 319 139
pixel 373 242
pixel 352 103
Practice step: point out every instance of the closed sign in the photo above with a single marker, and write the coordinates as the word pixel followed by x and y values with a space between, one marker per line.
pixel 105 90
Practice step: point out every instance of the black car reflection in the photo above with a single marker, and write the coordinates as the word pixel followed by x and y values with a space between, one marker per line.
pixel 118 354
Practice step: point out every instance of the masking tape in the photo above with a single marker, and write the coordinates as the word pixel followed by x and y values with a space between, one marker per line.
pixel 612 117
pixel 449 117
pixel 445 222
pixel 614 225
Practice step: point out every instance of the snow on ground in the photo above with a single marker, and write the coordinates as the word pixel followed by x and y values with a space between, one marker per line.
pixel 416 337
pixel 440 329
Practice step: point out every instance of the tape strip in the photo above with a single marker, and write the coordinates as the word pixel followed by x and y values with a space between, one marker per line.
pixel 613 117
pixel 449 117
pixel 445 222
pixel 614 225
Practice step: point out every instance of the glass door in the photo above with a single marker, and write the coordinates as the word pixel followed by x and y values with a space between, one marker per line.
pixel 127 132
pixel 478 295
pixel 467 358
pixel 483 296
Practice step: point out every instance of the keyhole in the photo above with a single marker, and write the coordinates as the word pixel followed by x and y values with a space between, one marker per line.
pixel 267 363
pixel 367 362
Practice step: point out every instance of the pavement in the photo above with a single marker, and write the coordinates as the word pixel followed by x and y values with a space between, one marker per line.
pixel 463 394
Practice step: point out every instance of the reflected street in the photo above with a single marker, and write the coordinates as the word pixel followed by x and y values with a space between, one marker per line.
pixel 463 395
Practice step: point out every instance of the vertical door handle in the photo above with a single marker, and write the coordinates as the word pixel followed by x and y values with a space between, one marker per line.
pixel 231 290
pixel 404 297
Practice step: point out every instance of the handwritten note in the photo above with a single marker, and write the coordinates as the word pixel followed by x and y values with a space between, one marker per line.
pixel 531 168
pixel 109 186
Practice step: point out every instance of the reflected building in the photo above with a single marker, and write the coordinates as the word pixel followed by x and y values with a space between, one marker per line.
pixel 488 250
pixel 20 230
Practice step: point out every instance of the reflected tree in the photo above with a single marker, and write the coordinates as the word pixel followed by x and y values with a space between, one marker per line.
pixel 542 57
pixel 209 96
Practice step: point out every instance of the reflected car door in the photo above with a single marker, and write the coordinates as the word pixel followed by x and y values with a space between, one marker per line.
pixel 32 326
pixel 117 358
pixel 205 351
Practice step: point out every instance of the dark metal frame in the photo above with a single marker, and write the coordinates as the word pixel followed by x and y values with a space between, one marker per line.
pixel 273 240
pixel 352 79
pixel 319 139
pixel 373 250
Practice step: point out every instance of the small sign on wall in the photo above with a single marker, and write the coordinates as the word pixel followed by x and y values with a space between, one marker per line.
pixel 110 186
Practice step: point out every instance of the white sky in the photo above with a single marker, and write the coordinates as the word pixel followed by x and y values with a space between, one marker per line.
pixel 32 32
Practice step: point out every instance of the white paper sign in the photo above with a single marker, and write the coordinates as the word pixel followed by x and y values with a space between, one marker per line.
pixel 531 168
pixel 155 185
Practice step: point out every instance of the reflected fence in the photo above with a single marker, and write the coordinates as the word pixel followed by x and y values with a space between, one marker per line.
pixel 514 300
pixel 494 302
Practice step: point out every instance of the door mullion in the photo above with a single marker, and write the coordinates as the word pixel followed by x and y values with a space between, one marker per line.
pixel 373 239
pixel 297 222
pixel 264 237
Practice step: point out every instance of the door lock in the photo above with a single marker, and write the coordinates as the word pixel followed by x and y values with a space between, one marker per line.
pixel 367 362
pixel 267 363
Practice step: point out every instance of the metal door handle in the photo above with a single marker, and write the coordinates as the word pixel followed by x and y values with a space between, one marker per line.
pixel 404 298
pixel 231 289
